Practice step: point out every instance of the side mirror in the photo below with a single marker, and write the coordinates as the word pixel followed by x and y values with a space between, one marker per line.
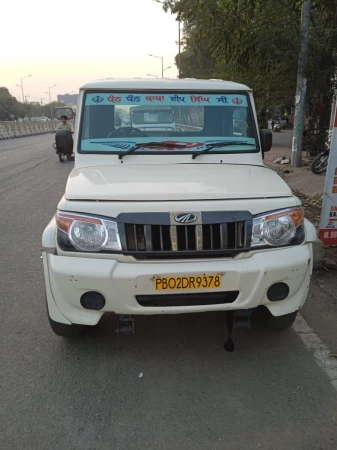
pixel 266 138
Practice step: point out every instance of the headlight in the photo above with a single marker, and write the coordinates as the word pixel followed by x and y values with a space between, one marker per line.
pixel 278 228
pixel 87 233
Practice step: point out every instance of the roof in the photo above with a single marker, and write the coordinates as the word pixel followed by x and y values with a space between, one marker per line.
pixel 166 83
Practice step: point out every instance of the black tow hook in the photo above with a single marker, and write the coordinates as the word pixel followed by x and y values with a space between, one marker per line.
pixel 125 325
pixel 236 319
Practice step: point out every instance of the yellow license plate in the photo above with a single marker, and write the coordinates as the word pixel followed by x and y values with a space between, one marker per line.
pixel 188 282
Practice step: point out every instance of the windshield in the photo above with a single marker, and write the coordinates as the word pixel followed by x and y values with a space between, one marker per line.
pixel 116 122
pixel 154 116
pixel 64 112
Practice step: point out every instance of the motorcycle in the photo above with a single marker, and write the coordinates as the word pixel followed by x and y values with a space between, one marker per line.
pixel 276 126
pixel 320 162
pixel 64 145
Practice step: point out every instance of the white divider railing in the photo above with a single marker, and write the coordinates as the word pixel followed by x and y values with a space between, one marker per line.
pixel 10 130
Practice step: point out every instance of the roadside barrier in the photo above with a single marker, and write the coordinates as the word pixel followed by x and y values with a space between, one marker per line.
pixel 12 130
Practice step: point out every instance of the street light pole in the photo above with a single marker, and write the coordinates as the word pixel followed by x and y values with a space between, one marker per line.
pixel 21 86
pixel 162 63
pixel 179 39
pixel 179 52
pixel 51 108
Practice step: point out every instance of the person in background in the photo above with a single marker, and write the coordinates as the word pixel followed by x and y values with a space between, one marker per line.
pixel 64 124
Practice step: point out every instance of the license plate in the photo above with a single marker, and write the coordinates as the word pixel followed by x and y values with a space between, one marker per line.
pixel 188 282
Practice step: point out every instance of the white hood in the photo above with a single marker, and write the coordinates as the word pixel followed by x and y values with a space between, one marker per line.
pixel 174 182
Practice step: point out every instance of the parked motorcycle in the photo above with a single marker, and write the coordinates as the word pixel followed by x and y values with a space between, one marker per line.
pixel 276 126
pixel 320 162
pixel 64 145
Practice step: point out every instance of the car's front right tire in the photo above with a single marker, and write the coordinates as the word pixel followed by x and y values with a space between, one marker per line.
pixel 265 318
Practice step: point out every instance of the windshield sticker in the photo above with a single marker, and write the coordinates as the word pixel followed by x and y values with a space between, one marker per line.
pixel 167 100
pixel 110 145
pixel 97 99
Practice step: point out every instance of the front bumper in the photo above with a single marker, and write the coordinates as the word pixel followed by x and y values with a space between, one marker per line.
pixel 68 278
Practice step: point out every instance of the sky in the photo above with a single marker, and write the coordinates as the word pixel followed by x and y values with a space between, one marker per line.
pixel 72 42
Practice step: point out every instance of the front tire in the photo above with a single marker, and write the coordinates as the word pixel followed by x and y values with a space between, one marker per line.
pixel 62 157
pixel 267 320
pixel 319 164
pixel 67 331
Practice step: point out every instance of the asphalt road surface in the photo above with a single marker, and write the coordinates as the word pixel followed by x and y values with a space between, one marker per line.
pixel 269 394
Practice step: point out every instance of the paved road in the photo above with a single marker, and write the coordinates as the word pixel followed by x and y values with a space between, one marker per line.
pixel 86 395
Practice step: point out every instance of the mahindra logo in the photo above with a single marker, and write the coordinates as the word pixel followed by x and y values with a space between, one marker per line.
pixel 185 218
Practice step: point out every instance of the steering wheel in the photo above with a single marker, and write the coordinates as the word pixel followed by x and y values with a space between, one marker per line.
pixel 127 132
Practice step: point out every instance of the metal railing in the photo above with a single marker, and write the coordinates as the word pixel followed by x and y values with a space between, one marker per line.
pixel 11 130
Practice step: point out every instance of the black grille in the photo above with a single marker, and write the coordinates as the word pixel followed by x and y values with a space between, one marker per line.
pixel 159 241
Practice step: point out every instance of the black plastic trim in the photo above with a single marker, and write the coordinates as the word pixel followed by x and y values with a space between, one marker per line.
pixel 200 299
pixel 148 218
pixel 208 217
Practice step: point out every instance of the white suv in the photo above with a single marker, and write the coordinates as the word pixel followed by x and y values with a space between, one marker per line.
pixel 174 221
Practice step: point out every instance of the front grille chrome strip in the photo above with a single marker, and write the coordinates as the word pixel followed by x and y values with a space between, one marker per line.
pixel 174 238
pixel 148 237
pixel 198 237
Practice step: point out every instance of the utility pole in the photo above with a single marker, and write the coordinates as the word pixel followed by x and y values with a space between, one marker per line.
pixel 51 107
pixel 21 86
pixel 179 53
pixel 301 88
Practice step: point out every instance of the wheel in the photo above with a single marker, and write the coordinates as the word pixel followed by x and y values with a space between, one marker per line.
pixel 266 319
pixel 62 157
pixel 319 164
pixel 67 331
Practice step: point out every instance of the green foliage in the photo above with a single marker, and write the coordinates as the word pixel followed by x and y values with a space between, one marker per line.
pixel 9 105
pixel 257 42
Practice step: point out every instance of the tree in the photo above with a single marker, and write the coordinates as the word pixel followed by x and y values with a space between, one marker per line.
pixel 256 42
pixel 9 105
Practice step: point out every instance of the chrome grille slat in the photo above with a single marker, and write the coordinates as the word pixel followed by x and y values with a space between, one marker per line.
pixel 211 236
pixel 135 236
pixel 174 238
pixel 161 238
pixel 223 236
pixel 148 237
pixel 199 240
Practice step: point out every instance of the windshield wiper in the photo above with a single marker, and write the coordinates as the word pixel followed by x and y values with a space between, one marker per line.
pixel 219 144
pixel 150 144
